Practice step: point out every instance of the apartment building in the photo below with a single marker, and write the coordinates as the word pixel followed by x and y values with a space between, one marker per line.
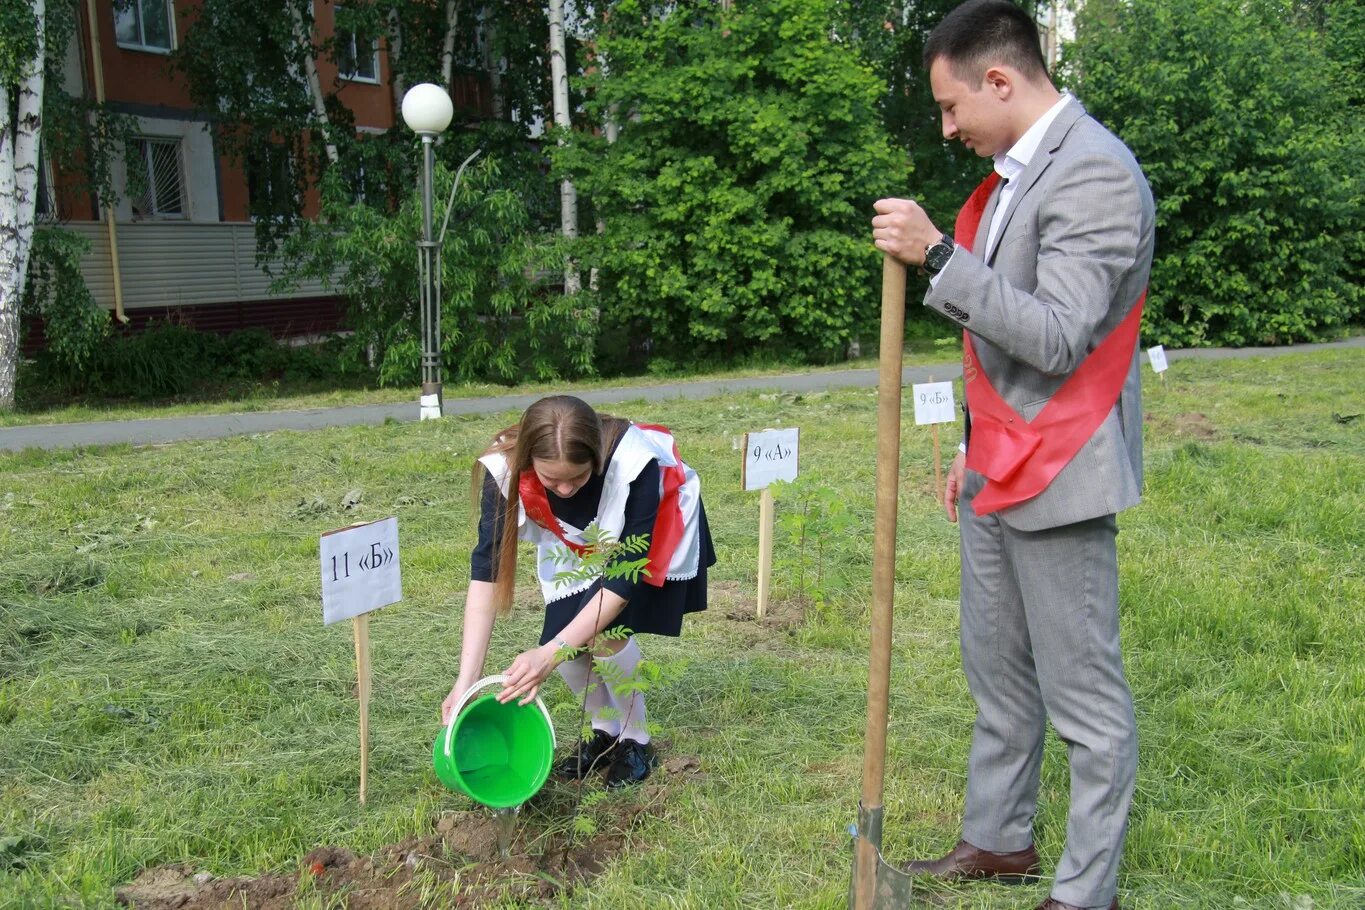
pixel 180 244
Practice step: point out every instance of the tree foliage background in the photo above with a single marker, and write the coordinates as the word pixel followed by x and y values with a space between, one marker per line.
pixel 730 216
pixel 499 319
pixel 890 37
pixel 734 203
pixel 1246 117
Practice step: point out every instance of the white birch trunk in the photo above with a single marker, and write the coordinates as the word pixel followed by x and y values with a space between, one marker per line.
pixel 559 76
pixel 448 47
pixel 612 130
pixel 18 200
pixel 303 35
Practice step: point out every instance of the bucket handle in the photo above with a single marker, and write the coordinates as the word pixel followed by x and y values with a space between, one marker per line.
pixel 495 680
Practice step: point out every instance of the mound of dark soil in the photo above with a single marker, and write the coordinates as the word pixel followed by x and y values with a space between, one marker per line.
pixel 458 864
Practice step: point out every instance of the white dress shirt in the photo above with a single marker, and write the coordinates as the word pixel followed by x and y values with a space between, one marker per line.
pixel 1014 162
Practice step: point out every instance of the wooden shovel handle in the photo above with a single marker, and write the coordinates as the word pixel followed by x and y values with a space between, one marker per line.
pixel 883 565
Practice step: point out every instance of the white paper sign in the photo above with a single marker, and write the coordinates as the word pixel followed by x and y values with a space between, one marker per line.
pixel 934 402
pixel 768 456
pixel 1157 355
pixel 360 570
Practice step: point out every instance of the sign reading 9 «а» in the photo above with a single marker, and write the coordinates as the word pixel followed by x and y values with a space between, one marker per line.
pixel 769 456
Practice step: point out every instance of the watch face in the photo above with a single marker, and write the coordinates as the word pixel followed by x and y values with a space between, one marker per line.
pixel 937 256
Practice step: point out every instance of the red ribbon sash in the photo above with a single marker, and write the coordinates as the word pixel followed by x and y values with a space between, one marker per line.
pixel 1018 457
pixel 668 524
pixel 537 505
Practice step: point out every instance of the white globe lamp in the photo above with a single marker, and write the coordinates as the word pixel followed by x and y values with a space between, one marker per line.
pixel 427 109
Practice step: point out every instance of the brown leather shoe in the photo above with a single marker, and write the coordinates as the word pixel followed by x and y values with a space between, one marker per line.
pixel 971 863
pixel 1051 904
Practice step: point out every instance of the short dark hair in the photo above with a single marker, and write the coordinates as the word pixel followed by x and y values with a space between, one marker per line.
pixel 980 34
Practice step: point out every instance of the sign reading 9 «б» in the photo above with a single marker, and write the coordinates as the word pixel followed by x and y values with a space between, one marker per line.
pixel 933 402
pixel 769 456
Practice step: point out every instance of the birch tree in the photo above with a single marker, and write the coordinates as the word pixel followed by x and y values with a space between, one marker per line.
pixel 397 81
pixel 492 64
pixel 23 34
pixel 255 67
pixel 559 77
pixel 452 21
pixel 303 38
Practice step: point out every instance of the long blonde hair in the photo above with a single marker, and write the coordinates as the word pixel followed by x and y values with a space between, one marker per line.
pixel 557 428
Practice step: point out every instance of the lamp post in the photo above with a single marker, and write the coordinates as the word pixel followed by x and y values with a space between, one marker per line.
pixel 427 111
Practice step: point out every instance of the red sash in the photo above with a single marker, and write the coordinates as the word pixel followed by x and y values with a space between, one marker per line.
pixel 1019 457
pixel 668 524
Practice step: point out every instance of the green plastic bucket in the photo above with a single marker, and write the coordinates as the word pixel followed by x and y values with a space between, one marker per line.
pixel 496 754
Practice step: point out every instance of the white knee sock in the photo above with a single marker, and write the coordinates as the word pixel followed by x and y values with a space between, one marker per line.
pixel 575 674
pixel 631 705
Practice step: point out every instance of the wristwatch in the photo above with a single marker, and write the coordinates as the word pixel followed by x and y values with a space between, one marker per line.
pixel 936 255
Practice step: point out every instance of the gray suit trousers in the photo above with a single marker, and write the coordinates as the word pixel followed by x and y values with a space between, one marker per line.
pixel 1040 640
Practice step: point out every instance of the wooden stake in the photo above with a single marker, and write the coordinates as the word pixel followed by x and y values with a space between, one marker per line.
pixel 765 549
pixel 938 464
pixel 361 625
pixel 938 468
pixel 883 570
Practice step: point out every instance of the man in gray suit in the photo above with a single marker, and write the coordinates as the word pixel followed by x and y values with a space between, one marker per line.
pixel 1050 261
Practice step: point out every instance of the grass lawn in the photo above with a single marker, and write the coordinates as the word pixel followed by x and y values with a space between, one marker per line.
pixel 169 694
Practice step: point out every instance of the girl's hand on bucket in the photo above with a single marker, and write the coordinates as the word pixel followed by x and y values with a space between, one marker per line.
pixel 452 700
pixel 526 674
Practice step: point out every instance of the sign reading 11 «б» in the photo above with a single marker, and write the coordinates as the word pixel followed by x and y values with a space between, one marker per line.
pixel 359 575
pixel 360 570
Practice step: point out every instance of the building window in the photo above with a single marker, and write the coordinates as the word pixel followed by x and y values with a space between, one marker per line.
pixel 357 55
pixel 156 178
pixel 357 181
pixel 365 170
pixel 45 207
pixel 145 25
pixel 270 182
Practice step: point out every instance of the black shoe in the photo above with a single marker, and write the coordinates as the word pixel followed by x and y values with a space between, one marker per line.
pixel 630 764
pixel 588 758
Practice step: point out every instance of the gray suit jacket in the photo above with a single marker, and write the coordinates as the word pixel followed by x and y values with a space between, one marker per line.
pixel 1071 259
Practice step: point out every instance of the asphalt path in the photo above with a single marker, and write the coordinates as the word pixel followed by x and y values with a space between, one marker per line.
pixel 153 431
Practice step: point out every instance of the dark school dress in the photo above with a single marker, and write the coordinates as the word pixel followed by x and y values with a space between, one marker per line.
pixel 657 611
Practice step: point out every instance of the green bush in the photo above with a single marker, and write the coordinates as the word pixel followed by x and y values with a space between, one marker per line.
pixel 252 354
pixel 163 361
pixel 73 323
pixel 1245 128
pixel 736 201
pixel 502 316
pixel 168 360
